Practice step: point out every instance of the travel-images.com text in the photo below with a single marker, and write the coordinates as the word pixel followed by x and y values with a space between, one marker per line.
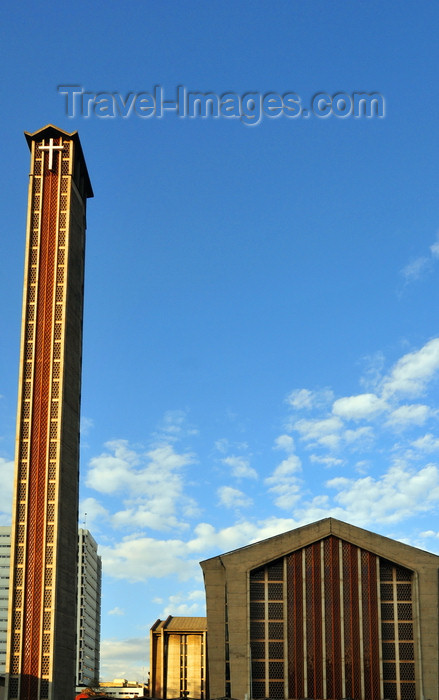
pixel 250 107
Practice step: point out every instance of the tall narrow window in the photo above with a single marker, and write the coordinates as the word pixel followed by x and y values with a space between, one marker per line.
pixel 267 630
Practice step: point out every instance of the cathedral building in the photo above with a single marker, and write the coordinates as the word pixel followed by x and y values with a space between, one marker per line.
pixel 326 611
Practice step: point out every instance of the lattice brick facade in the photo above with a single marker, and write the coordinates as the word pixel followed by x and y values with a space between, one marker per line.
pixel 317 621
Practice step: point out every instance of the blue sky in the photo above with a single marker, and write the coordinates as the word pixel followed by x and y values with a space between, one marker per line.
pixel 261 339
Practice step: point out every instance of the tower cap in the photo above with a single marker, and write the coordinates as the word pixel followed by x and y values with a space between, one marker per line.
pixel 51 131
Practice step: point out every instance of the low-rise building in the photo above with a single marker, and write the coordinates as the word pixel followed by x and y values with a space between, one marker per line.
pixel 178 658
pixel 121 688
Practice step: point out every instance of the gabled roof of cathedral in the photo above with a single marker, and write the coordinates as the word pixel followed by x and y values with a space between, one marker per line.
pixel 258 553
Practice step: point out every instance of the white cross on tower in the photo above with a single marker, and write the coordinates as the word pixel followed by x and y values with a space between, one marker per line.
pixel 51 148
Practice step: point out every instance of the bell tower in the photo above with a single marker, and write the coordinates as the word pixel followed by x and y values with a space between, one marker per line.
pixel 40 662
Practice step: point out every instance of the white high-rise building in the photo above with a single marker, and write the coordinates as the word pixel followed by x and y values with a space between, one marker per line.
pixel 88 604
pixel 5 557
pixel 89 610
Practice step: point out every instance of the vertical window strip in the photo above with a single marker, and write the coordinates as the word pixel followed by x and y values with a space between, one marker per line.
pixel 323 616
pixel 360 620
pixel 286 640
pixel 342 621
pixel 395 617
pixel 380 635
pixel 416 635
pixel 305 667
pixel 266 653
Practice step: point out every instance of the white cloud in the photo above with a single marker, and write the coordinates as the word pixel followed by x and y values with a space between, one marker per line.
pixel 233 498
pixel 407 415
pixel 86 425
pixel 116 611
pixel 207 538
pixel 142 558
pixel 273 526
pixel 363 466
pixel 190 508
pixel 330 434
pixel 305 399
pixel 331 442
pixel 410 376
pixel 290 465
pixel 175 426
pixel 300 398
pixel 420 266
pixel 362 435
pixel 326 461
pixel 412 373
pixel 129 471
pixel 427 443
pixel 152 479
pixel 372 375
pixel 287 494
pixel 284 442
pixel 359 407
pixel 92 514
pixel 284 484
pixel 240 467
pixel 392 497
pixel 155 514
pixel 416 268
pixel 125 658
pixel 324 431
pixel 186 604
pixel 110 473
pixel 222 445
pixel 434 249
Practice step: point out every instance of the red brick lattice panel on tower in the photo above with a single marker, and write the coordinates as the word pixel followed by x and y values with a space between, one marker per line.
pixel 38 439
